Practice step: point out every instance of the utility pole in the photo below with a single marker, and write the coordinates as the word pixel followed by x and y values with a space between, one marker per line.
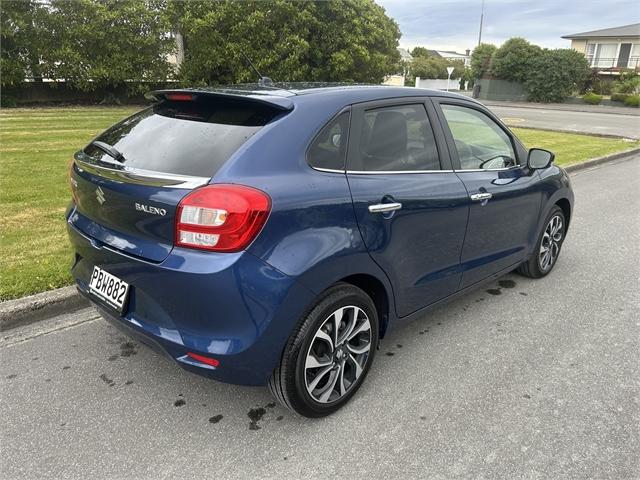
pixel 481 18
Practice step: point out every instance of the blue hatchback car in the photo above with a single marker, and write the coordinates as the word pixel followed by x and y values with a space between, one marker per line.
pixel 273 234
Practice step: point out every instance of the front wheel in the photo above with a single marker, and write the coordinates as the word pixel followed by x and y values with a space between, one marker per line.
pixel 548 247
pixel 328 356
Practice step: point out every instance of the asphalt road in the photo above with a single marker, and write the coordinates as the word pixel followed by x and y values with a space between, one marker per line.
pixel 590 122
pixel 523 378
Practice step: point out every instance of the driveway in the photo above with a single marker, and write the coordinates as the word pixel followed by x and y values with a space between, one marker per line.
pixel 623 125
pixel 521 378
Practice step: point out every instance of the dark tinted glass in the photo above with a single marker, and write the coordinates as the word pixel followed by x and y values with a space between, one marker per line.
pixel 397 138
pixel 329 148
pixel 187 138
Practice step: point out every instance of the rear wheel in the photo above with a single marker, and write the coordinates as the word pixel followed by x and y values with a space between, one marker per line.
pixel 328 356
pixel 547 249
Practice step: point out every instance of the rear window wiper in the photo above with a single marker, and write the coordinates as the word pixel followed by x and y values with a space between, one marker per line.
pixel 109 150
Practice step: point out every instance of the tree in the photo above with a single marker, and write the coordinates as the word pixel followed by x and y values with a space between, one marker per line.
pixel 22 39
pixel 512 61
pixel 481 59
pixel 554 75
pixel 420 52
pixel 108 43
pixel 342 40
pixel 433 67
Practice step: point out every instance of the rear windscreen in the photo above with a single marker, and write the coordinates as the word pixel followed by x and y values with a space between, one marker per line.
pixel 186 138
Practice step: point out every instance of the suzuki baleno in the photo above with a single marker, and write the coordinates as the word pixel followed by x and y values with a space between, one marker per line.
pixel 273 234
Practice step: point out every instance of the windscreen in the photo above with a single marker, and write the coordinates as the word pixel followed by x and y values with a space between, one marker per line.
pixel 186 138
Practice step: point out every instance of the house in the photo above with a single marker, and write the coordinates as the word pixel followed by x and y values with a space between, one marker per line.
pixel 398 79
pixel 609 50
pixel 450 55
pixel 405 56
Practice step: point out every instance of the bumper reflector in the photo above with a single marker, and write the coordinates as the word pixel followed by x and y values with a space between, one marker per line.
pixel 206 360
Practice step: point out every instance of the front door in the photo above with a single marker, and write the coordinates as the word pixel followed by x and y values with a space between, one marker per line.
pixel 411 207
pixel 505 196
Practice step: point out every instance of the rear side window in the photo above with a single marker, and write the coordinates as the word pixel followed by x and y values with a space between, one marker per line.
pixel 186 138
pixel 329 148
pixel 397 138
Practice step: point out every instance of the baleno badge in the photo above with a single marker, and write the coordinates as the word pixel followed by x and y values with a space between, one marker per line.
pixel 152 210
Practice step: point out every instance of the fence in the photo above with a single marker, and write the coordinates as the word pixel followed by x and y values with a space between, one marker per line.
pixel 438 83
pixel 34 93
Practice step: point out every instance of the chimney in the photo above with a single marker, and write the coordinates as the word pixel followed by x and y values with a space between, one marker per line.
pixel 466 52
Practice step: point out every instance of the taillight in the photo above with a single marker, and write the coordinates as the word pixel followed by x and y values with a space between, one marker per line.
pixel 221 218
pixel 73 184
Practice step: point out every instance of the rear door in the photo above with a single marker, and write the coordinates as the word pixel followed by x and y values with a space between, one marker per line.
pixel 410 206
pixel 128 182
pixel 505 196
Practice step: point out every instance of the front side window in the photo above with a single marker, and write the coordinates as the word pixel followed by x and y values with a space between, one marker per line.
pixel 480 142
pixel 397 138
pixel 329 148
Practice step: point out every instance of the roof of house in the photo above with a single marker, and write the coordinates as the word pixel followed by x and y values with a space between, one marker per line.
pixel 447 54
pixel 404 54
pixel 632 30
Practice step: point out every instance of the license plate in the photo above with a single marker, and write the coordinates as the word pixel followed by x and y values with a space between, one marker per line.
pixel 109 288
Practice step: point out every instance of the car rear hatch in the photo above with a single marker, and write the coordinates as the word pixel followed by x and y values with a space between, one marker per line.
pixel 128 182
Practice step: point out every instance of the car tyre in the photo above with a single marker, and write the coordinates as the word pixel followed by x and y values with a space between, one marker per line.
pixel 329 354
pixel 548 246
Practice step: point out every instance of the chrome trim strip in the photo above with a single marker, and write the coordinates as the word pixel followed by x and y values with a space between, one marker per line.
pixel 380 172
pixel 328 170
pixel 142 177
pixel 488 169
pixel 395 172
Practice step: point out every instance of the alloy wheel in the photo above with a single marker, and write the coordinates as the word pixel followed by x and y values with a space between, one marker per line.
pixel 550 244
pixel 338 354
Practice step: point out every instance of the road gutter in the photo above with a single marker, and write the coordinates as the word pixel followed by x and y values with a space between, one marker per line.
pixel 41 306
pixel 46 305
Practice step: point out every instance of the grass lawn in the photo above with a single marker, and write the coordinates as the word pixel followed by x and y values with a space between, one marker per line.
pixel 572 147
pixel 36 146
pixel 35 150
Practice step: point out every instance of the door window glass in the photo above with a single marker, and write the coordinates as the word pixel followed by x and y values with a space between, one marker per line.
pixel 480 142
pixel 397 138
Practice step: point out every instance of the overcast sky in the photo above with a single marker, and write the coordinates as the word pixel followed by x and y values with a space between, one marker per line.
pixel 453 24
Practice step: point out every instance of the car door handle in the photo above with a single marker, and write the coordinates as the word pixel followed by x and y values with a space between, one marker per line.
pixel 384 207
pixel 480 197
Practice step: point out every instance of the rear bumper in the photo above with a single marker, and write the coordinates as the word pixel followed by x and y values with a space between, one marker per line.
pixel 231 307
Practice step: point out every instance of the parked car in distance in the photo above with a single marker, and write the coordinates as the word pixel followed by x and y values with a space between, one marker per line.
pixel 273 234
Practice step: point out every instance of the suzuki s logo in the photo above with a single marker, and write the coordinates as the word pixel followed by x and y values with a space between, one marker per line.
pixel 100 196
pixel 152 210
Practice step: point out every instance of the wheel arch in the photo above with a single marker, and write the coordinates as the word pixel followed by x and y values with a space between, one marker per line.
pixel 565 206
pixel 377 292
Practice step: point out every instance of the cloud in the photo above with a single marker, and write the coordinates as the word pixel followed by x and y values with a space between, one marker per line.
pixel 453 25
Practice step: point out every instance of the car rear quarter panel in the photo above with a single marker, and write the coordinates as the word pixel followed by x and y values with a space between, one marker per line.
pixel 311 233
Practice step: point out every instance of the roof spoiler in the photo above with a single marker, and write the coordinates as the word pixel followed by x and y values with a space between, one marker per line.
pixel 186 95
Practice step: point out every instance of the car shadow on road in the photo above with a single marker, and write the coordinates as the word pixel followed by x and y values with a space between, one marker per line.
pixel 214 404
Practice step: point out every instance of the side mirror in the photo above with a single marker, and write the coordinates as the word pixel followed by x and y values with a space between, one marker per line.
pixel 539 158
